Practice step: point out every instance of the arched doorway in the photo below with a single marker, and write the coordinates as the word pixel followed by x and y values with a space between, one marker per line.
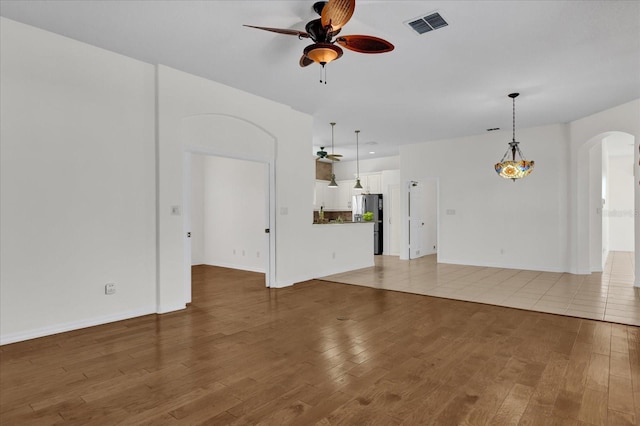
pixel 597 192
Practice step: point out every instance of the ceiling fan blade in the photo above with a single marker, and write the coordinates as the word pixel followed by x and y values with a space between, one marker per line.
pixel 305 61
pixel 364 44
pixel 337 13
pixel 281 31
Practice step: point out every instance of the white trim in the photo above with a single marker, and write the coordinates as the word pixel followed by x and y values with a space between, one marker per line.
pixel 71 326
pixel 234 266
pixel 164 309
pixel 269 162
pixel 187 158
pixel 325 273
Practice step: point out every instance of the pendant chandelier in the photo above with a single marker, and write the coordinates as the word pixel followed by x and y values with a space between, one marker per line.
pixel 333 183
pixel 357 185
pixel 514 169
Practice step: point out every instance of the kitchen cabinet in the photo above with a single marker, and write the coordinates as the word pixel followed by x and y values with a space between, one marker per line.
pixel 323 196
pixel 340 198
pixel 318 193
pixel 330 197
pixel 372 183
pixel 343 196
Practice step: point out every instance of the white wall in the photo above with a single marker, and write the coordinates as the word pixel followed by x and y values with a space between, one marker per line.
pixel 77 184
pixel 497 222
pixel 197 208
pixel 234 213
pixel 208 117
pixel 585 133
pixel 79 142
pixel 596 208
pixel 619 209
pixel 604 185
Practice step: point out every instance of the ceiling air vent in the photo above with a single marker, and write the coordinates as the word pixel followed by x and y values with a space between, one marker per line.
pixel 427 23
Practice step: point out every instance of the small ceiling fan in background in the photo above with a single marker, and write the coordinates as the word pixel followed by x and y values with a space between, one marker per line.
pixel 334 14
pixel 322 154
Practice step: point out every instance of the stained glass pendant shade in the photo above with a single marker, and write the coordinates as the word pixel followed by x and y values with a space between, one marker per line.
pixel 514 169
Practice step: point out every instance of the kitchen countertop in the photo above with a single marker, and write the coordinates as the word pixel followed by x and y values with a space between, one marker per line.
pixel 341 223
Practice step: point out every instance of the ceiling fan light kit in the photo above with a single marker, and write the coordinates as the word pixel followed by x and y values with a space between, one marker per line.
pixel 514 169
pixel 322 53
pixel 334 14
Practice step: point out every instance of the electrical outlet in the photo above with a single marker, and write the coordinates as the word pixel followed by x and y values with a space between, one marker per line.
pixel 258 255
pixel 110 288
pixel 333 255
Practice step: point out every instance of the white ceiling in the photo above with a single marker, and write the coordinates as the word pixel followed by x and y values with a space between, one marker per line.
pixel 568 59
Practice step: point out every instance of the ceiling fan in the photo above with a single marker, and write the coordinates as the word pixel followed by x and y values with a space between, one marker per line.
pixel 334 14
pixel 324 154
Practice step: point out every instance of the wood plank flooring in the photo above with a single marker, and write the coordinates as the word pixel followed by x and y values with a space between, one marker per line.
pixel 326 353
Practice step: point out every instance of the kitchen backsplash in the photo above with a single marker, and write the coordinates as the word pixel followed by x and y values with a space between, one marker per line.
pixel 332 216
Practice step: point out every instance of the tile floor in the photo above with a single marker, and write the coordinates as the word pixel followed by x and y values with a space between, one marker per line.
pixel 608 296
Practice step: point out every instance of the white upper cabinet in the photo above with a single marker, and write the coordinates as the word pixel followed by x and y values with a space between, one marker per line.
pixel 324 196
pixel 373 184
pixel 343 200
pixel 340 198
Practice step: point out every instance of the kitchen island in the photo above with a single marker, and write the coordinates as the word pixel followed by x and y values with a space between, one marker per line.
pixel 349 246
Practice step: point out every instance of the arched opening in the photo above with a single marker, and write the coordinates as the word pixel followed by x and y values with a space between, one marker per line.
pixel 609 194
pixel 229 149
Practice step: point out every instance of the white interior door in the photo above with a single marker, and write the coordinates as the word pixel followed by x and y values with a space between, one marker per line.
pixel 423 218
pixel 416 223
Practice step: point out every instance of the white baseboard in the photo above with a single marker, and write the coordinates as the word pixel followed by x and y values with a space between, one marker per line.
pixel 318 275
pixel 164 309
pixel 235 266
pixel 76 325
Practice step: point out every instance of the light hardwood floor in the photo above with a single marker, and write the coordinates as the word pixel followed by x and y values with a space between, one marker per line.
pixel 326 353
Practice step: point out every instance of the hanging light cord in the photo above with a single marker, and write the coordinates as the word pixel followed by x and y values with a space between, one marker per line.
pixel 513 145
pixel 514 118
pixel 357 157
pixel 323 71
pixel 332 126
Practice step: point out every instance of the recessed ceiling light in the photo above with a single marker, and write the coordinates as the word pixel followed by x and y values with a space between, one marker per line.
pixel 372 152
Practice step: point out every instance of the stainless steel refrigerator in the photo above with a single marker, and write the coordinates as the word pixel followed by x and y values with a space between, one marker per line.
pixel 364 203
